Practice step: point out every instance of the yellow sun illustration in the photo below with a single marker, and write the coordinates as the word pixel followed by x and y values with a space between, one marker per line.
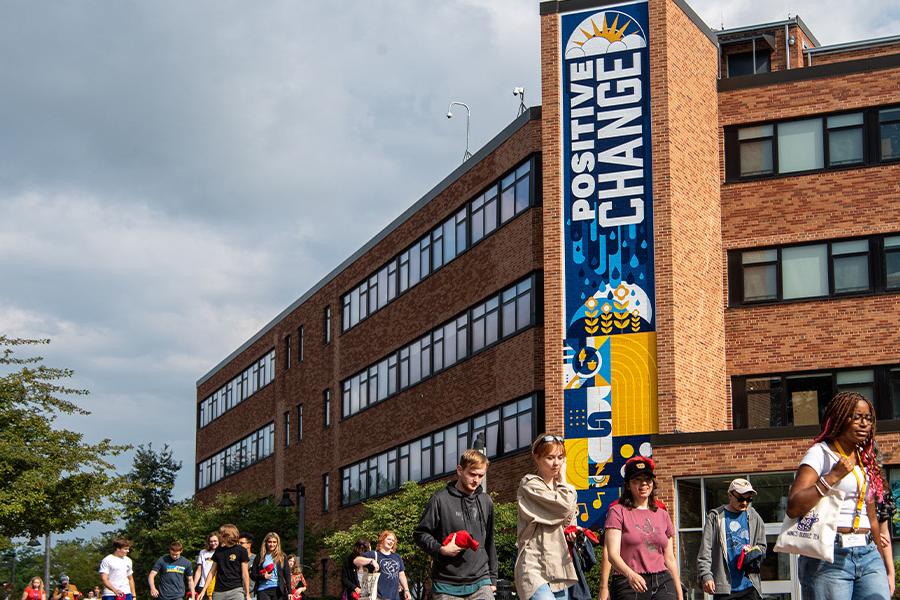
pixel 608 32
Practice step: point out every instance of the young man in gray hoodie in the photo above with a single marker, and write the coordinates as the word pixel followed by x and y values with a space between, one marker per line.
pixel 459 571
pixel 734 534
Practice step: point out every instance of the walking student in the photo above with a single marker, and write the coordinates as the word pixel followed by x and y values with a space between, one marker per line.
pixel 173 569
pixel 455 517
pixel 271 570
pixel 230 568
pixel 638 540
pixel 116 572
pixel 204 564
pixel 732 547
pixel 547 504
pixel 35 590
pixel 843 457
pixel 392 583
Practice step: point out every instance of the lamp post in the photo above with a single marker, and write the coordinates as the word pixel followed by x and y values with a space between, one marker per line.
pixel 34 543
pixel 467 155
pixel 480 446
pixel 286 502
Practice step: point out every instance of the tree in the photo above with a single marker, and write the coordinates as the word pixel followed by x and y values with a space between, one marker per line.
pixel 50 479
pixel 150 483
pixel 401 513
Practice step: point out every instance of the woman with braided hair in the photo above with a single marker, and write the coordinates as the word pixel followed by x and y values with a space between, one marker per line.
pixel 843 458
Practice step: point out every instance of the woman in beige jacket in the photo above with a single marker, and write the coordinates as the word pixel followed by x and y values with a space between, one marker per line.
pixel 547 504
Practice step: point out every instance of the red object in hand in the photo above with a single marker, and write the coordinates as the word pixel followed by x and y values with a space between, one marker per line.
pixel 355 595
pixel 587 532
pixel 463 540
pixel 120 596
pixel 267 569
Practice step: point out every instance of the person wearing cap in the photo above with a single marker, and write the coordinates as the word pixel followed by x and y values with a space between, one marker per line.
pixel 732 546
pixel 547 504
pixel 66 590
pixel 639 542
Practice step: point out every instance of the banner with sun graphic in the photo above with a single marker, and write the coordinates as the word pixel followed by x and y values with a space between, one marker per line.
pixel 609 354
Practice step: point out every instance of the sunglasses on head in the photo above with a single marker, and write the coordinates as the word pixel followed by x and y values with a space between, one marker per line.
pixel 552 438
pixel 748 498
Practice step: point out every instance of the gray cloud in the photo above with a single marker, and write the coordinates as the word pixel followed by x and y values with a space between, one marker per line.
pixel 174 174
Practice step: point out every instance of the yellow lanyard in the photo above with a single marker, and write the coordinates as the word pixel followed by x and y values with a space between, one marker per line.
pixel 860 484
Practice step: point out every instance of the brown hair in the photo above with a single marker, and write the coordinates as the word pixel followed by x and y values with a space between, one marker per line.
pixel 228 534
pixel 384 535
pixel 214 534
pixel 541 447
pixel 121 542
pixel 627 500
pixel 176 546
pixel 838 416
pixel 472 457
pixel 296 568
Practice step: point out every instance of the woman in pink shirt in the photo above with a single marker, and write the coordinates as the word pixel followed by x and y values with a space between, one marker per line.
pixel 638 540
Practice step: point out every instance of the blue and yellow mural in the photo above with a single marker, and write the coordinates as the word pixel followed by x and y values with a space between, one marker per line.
pixel 609 354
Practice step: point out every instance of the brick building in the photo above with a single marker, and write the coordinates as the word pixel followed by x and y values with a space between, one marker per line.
pixel 707 221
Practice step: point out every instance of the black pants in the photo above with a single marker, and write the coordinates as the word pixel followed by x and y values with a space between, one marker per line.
pixel 273 593
pixel 660 586
pixel 749 594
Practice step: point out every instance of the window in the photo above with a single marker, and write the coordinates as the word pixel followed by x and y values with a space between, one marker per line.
pixel 255 377
pixel 845 139
pixel 892 262
pixel 889 133
pixel 755 145
pixel 287 353
pixel 326 492
pixel 814 270
pixel 327 324
pixel 287 428
pixel 792 399
pixel 442 347
pixel 815 143
pixel 743 63
pixel 237 457
pixel 326 408
pixel 437 453
pixel 299 422
pixel 300 344
pixel 511 195
pixel 324 563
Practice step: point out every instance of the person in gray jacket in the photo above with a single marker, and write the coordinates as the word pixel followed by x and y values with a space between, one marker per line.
pixel 733 545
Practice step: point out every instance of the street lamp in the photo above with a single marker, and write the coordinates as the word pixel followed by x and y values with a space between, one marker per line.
pixel 467 155
pixel 34 543
pixel 286 502
pixel 479 445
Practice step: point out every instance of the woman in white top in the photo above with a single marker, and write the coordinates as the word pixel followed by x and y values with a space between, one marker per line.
pixel 843 458
pixel 204 562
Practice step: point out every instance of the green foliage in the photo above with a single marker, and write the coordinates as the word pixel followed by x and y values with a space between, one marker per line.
pixel 150 483
pixel 76 558
pixel 401 513
pixel 51 479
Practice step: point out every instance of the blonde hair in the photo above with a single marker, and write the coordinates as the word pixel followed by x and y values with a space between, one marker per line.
pixel 39 580
pixel 277 554
pixel 228 534
pixel 472 457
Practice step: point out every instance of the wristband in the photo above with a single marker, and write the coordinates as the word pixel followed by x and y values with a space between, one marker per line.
pixel 825 483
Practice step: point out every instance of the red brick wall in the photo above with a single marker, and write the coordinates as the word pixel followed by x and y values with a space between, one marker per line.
pixel 687 230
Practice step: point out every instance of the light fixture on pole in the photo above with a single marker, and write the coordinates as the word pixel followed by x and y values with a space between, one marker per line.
pixel 467 155
pixel 480 446
pixel 286 502
pixel 520 92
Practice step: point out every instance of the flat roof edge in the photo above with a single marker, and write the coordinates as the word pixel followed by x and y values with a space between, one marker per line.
pixel 792 21
pixel 836 69
pixel 533 113
pixel 871 43
pixel 552 7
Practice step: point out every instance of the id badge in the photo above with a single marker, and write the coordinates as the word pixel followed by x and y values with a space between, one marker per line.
pixel 853 540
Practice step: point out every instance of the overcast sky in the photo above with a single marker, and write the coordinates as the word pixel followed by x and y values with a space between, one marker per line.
pixel 173 174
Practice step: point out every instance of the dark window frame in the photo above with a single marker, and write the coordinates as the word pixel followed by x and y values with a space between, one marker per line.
pixel 286 424
pixel 871 128
pixel 877 271
pixel 300 422
pixel 326 317
pixel 326 492
pixel 326 408
pixel 877 140
pixel 300 344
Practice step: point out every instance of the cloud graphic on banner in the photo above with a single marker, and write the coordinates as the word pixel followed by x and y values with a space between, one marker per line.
pixel 616 32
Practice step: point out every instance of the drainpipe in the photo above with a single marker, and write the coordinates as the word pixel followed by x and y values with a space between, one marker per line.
pixel 787 46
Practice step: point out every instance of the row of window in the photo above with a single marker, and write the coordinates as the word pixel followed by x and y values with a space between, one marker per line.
pixel 792 399
pixel 289 348
pixel 499 316
pixel 857 266
pixel 236 457
pixel 505 199
pixel 809 144
pixel 505 429
pixel 253 378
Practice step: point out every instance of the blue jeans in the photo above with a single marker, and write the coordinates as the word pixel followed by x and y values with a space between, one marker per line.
pixel 544 593
pixel 856 574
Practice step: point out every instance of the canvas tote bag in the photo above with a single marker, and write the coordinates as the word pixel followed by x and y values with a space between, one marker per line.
pixel 813 534
pixel 368 585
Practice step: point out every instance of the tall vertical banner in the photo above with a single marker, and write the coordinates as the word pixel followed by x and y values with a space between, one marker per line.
pixel 609 353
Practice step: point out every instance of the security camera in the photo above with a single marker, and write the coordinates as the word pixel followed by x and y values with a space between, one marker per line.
pixel 518 91
pixel 449 115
